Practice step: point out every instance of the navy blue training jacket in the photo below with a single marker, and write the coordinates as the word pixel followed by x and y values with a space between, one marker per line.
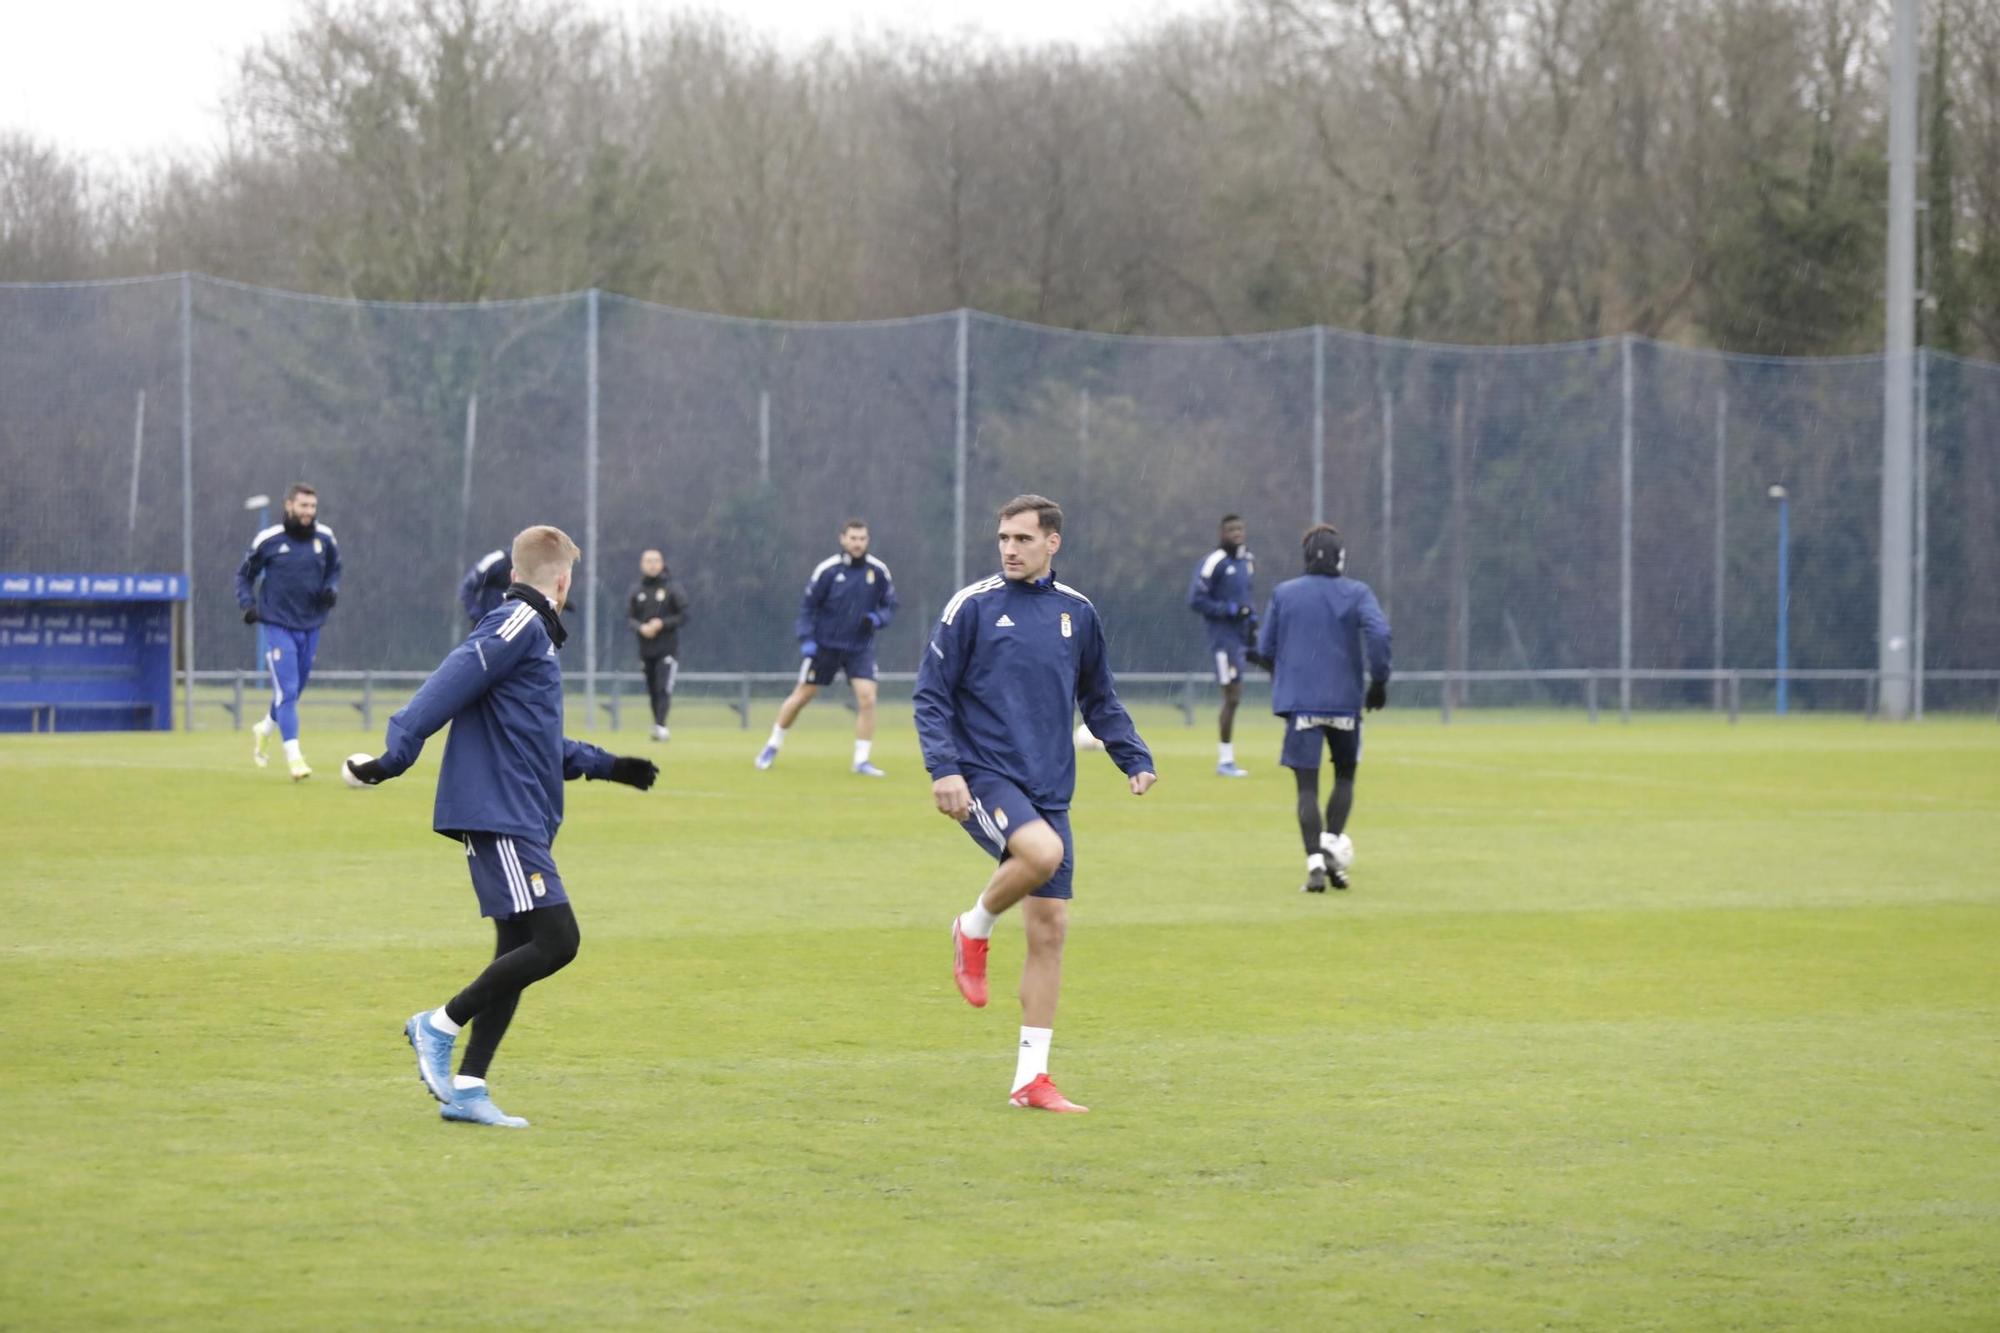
pixel 294 571
pixel 1221 586
pixel 507 758
pixel 840 598
pixel 1007 665
pixel 1316 631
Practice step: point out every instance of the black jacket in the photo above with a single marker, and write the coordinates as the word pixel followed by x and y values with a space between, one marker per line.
pixel 657 599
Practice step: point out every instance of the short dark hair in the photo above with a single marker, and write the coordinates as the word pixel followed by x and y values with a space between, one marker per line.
pixel 299 488
pixel 1047 512
pixel 1227 519
pixel 1318 528
pixel 853 523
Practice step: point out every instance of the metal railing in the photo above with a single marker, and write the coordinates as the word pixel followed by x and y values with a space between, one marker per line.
pixel 1189 690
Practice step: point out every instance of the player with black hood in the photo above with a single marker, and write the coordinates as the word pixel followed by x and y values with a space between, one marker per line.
pixel 1318 631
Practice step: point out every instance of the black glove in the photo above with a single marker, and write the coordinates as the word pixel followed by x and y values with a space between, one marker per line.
pixel 250 616
pixel 1258 660
pixel 369 772
pixel 327 597
pixel 634 772
pixel 1378 695
pixel 1245 611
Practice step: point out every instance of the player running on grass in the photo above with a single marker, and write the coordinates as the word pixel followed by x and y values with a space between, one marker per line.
pixel 1011 658
pixel 848 598
pixel 1220 593
pixel 1315 632
pixel 298 562
pixel 500 792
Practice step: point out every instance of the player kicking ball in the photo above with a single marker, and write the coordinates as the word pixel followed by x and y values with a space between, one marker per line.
pixel 1316 630
pixel 500 793
pixel 1010 660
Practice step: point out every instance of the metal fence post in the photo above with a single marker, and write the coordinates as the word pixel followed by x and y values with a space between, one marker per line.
pixel 743 709
pixel 1735 696
pixel 187 490
pixel 236 707
pixel 1721 526
pixel 1444 698
pixel 1590 695
pixel 958 454
pixel 1923 533
pixel 1625 530
pixel 1319 423
pixel 590 515
pixel 1388 492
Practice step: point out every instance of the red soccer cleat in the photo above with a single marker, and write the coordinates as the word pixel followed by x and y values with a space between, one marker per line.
pixel 968 966
pixel 1041 1095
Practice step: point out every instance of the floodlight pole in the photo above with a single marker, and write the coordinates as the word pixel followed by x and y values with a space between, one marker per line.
pixel 1896 628
pixel 1319 424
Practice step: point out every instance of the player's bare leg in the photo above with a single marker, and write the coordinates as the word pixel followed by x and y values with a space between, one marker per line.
pixel 1034 854
pixel 788 713
pixel 864 728
pixel 1225 753
pixel 1045 922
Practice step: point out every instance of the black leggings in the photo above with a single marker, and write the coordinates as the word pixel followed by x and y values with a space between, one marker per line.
pixel 526 947
pixel 1338 806
pixel 660 672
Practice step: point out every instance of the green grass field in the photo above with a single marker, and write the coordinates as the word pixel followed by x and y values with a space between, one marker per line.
pixel 1671 1025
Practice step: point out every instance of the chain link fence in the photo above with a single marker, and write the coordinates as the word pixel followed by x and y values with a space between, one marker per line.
pixel 1594 507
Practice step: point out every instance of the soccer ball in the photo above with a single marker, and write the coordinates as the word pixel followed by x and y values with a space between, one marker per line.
pixel 1086 741
pixel 1340 852
pixel 347 774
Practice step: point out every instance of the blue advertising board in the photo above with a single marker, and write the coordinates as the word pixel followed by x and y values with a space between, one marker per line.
pixel 88 652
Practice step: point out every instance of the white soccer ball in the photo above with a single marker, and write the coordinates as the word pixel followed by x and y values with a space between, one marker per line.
pixel 1086 741
pixel 347 774
pixel 1340 852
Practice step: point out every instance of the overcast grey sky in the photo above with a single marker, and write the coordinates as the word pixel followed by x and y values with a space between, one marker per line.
pixel 123 78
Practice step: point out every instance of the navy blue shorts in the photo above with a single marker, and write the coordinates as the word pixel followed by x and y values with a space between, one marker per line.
pixel 823 666
pixel 1227 659
pixel 511 875
pixel 998 808
pixel 1302 737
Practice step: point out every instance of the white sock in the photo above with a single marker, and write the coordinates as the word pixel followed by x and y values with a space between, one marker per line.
pixel 292 752
pixel 463 1081
pixel 861 749
pixel 1033 1058
pixel 977 923
pixel 1226 753
pixel 265 726
pixel 777 741
pixel 1317 861
pixel 441 1020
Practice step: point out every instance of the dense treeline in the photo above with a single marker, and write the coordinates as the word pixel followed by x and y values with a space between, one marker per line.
pixel 1471 170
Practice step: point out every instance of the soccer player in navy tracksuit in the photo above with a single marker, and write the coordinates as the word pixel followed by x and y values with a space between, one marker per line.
pixel 1221 594
pixel 299 563
pixel 500 793
pixel 485 584
pixel 1317 630
pixel 848 598
pixel 1009 661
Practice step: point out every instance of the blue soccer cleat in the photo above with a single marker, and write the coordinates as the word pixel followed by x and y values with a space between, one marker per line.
pixel 868 770
pixel 472 1106
pixel 767 756
pixel 1230 770
pixel 433 1050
